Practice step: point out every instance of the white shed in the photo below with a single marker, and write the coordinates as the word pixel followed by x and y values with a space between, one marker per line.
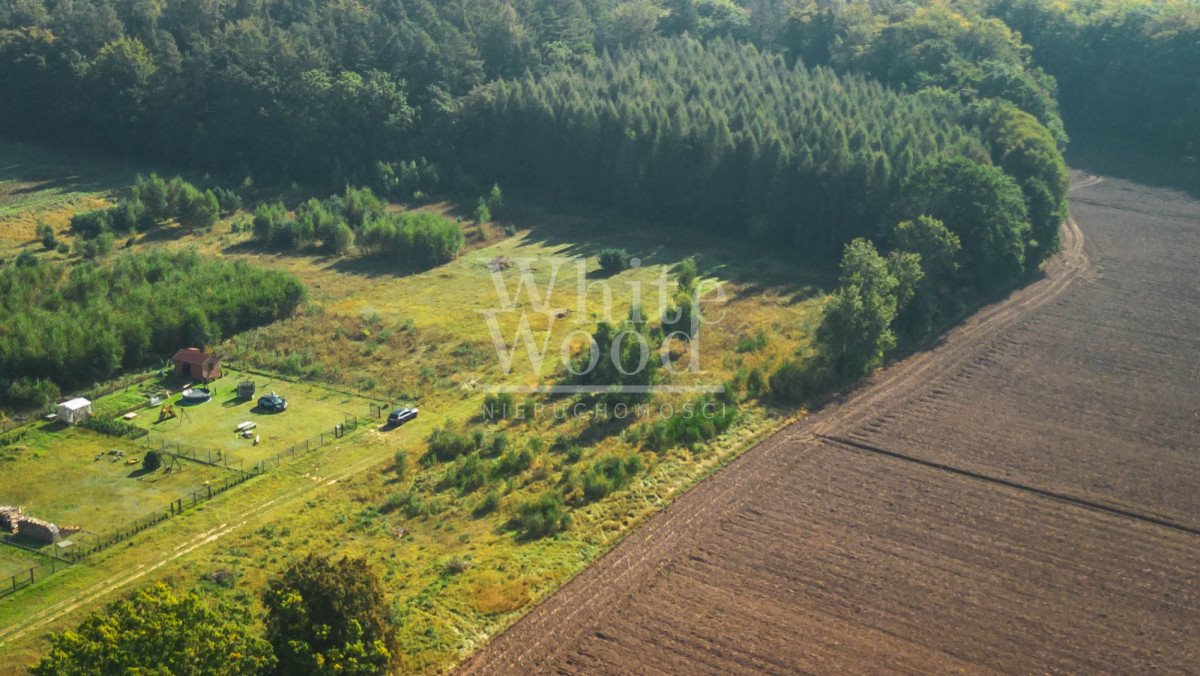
pixel 75 411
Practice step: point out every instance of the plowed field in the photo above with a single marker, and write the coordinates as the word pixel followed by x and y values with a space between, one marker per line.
pixel 1024 497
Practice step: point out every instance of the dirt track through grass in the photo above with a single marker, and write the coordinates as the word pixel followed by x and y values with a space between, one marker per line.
pixel 802 556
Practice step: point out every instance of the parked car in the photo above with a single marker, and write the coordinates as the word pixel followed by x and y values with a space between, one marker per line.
pixel 401 416
pixel 272 403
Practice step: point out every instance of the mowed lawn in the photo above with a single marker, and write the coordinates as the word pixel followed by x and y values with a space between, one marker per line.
pixel 17 561
pixel 209 430
pixel 67 477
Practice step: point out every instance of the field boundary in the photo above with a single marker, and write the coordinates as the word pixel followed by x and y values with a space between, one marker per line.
pixel 837 441
pixel 627 568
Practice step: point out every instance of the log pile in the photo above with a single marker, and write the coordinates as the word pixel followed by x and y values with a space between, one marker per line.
pixel 14 520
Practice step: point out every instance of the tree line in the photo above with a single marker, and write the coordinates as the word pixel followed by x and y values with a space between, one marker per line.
pixel 358 216
pixel 723 136
pixel 335 92
pixel 285 89
pixel 967 235
pixel 153 202
pixel 716 135
pixel 1129 66
pixel 323 616
pixel 68 326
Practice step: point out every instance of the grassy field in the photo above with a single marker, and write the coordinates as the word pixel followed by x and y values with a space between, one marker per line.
pixel 209 429
pixel 69 477
pixel 40 185
pixel 17 561
pixel 422 339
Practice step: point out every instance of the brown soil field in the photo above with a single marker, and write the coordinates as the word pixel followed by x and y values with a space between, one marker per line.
pixel 1023 497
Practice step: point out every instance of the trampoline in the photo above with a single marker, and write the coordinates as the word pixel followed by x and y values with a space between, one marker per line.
pixel 197 396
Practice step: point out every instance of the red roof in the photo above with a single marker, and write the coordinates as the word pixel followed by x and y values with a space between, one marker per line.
pixel 193 355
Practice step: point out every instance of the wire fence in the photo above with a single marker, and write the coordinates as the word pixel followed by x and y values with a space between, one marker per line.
pixel 48 564
pixel 17 582
pixel 187 453
pixel 203 456
pixel 182 452
pixel 177 507
pixel 348 426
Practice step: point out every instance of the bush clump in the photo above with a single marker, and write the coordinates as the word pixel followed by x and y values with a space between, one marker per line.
pixel 614 260
pixel 691 424
pixel 541 516
pixel 609 474
pixel 489 503
pixel 152 461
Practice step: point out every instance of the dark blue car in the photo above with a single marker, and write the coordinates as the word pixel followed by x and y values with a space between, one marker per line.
pixel 401 416
pixel 272 403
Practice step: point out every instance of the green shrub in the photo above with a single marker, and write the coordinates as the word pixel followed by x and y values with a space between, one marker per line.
pixel 541 516
pixel 574 453
pixel 752 343
pixel 360 205
pixel 400 463
pixel 495 198
pixel 152 461
pixel 90 224
pixel 482 213
pixel 614 260
pixel 686 274
pixel 466 476
pixel 410 503
pixel 129 215
pixel 197 210
pixel 45 234
pixel 499 406
pixel 446 444
pixel 113 427
pixel 419 239
pixel 514 462
pixel 795 382
pixel 341 239
pixel 489 503
pixel 609 474
pixel 499 444
pixel 228 200
pixel 456 565
pixel 693 423
pixel 268 217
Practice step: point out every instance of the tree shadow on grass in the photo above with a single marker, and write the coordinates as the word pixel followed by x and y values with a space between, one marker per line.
pixel 379 265
pixel 727 256
pixel 1120 157
pixel 64 170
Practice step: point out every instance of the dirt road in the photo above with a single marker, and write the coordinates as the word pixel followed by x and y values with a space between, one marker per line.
pixel 1023 497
